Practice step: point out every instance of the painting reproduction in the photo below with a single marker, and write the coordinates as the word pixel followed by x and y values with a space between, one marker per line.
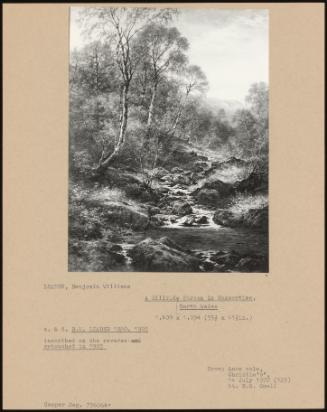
pixel 168 140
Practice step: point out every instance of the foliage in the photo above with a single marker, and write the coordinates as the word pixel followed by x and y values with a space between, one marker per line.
pixel 243 203
pixel 139 122
pixel 134 97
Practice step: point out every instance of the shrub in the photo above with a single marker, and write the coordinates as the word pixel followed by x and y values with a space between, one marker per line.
pixel 84 223
pixel 81 164
pixel 242 203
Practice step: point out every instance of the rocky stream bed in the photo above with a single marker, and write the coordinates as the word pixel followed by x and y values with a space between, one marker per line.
pixel 188 222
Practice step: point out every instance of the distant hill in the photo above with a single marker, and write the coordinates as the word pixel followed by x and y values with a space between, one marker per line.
pixel 230 106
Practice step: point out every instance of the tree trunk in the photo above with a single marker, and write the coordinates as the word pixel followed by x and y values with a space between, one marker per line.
pixel 156 156
pixel 179 113
pixel 122 132
pixel 146 136
pixel 151 107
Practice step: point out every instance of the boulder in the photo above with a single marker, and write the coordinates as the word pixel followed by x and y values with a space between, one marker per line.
pixel 214 190
pixel 207 196
pixel 181 208
pixel 159 219
pixel 167 178
pixel 198 168
pixel 257 218
pixel 211 197
pixel 223 189
pixel 226 258
pixel 195 220
pixel 201 220
pixel 159 172
pixel 177 170
pixel 162 255
pixel 202 158
pixel 181 179
pixel 189 221
pixel 110 254
pixel 116 249
pixel 153 210
pixel 228 218
pixel 117 257
pixel 253 218
pixel 125 215
pixel 179 193
pixel 162 190
pixel 201 163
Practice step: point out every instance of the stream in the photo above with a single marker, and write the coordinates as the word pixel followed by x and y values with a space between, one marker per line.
pixel 207 238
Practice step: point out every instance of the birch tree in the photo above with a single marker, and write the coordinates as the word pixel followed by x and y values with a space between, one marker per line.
pixel 194 80
pixel 119 27
pixel 164 51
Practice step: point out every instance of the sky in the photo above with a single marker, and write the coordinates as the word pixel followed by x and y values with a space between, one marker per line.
pixel 230 45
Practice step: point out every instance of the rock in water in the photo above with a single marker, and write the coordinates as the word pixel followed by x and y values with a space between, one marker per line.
pixel 201 220
pixel 189 221
pixel 195 220
pixel 162 255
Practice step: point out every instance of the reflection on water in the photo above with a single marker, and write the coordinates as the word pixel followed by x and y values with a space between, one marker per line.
pixel 209 238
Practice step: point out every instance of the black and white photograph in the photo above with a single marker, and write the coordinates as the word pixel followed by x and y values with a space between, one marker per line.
pixel 168 140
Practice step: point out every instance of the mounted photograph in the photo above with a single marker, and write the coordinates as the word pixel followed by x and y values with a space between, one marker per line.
pixel 168 140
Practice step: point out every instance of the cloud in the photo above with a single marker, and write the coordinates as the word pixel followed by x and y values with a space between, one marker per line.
pixel 230 45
